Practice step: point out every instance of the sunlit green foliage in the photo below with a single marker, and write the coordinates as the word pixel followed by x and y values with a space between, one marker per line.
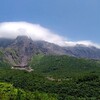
pixel 8 92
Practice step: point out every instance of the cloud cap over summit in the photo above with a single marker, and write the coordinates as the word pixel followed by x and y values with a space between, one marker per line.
pixel 37 32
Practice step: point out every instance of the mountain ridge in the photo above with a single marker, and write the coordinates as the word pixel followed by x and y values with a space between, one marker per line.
pixel 19 51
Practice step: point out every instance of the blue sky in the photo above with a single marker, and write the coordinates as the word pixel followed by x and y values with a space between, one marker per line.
pixel 74 19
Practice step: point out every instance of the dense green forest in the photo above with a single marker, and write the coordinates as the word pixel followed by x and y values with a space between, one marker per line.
pixel 53 78
pixel 63 66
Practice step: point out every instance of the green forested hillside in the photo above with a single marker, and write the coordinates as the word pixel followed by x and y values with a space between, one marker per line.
pixel 86 87
pixel 63 66
pixel 3 62
pixel 53 78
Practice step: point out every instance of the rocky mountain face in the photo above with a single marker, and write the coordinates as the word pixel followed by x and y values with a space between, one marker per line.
pixel 19 51
pixel 82 51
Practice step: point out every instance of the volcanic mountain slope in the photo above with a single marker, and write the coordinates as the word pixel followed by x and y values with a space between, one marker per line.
pixel 83 51
pixel 19 51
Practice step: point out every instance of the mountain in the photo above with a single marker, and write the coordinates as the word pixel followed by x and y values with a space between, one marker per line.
pixel 19 51
pixel 62 77
pixel 83 51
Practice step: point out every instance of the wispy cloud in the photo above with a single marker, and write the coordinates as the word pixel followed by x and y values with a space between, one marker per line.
pixel 85 43
pixel 37 32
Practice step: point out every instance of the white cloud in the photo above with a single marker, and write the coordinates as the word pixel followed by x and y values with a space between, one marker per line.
pixel 85 43
pixel 36 32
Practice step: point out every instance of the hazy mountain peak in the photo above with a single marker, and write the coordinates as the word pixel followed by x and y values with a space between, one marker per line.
pixel 22 37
